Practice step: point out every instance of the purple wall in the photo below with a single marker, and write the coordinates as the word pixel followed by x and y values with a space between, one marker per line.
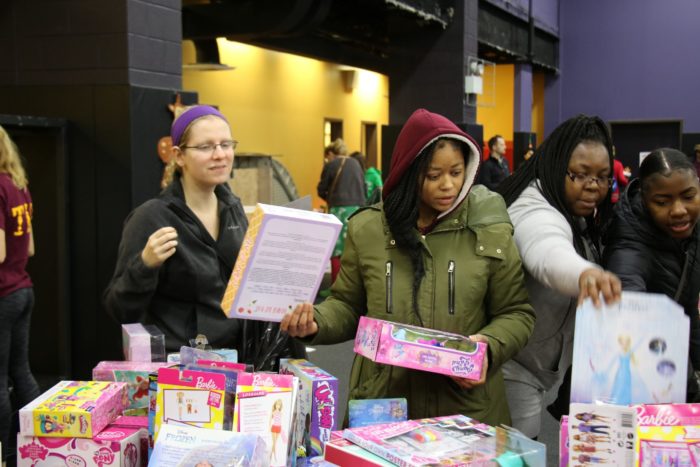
pixel 628 60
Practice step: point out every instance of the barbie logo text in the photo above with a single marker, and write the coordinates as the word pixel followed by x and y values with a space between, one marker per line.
pixel 661 417
pixel 209 384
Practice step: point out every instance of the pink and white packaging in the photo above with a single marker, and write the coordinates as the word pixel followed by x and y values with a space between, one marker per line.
pixel 122 444
pixel 376 340
pixel 564 441
pixel 668 434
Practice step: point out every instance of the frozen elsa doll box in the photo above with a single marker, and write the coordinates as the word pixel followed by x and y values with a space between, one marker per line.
pixel 115 446
pixel 419 348
pixel 79 409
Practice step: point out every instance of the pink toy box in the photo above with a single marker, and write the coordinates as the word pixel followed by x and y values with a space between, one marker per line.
pixel 79 409
pixel 318 404
pixel 668 434
pixel 121 444
pixel 564 441
pixel 419 348
pixel 135 374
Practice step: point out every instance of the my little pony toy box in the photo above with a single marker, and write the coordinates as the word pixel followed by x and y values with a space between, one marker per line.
pixel 419 348
pixel 318 404
pixel 79 409
pixel 135 374
pixel 116 446
pixel 668 434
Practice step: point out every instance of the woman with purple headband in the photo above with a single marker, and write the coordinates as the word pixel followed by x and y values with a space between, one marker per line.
pixel 178 249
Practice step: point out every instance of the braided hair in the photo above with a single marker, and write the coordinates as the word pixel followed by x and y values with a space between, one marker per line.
pixel 549 166
pixel 401 209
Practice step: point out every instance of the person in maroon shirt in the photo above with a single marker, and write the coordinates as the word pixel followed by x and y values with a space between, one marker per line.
pixel 16 292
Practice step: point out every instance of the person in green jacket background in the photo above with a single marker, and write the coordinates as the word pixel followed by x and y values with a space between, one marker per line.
pixel 437 253
pixel 373 178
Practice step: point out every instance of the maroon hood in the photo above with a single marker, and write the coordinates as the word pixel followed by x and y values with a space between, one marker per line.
pixel 421 129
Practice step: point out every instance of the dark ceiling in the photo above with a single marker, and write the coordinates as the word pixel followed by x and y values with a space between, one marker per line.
pixel 362 33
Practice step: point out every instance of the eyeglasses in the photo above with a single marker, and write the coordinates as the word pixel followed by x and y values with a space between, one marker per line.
pixel 584 179
pixel 209 148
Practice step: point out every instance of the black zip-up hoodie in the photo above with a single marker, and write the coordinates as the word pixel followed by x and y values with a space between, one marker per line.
pixel 646 259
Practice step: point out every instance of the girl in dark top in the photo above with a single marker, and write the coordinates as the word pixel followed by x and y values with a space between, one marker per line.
pixel 16 291
pixel 652 244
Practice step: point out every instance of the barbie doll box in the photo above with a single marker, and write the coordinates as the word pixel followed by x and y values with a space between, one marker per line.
pixel 135 375
pixel 419 348
pixel 79 409
pixel 317 403
pixel 189 397
pixel 668 434
pixel 281 262
pixel 601 434
pixel 116 446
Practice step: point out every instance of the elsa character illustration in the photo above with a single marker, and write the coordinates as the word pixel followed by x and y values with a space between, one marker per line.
pixel 275 426
pixel 622 387
pixel 627 386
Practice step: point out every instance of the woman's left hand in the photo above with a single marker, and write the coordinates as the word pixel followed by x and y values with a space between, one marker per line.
pixel 594 282
pixel 466 383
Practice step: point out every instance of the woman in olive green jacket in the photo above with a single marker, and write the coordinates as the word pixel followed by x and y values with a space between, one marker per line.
pixel 438 253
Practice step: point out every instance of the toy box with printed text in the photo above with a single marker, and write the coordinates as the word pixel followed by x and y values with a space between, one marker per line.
pixel 318 404
pixel 419 348
pixel 78 409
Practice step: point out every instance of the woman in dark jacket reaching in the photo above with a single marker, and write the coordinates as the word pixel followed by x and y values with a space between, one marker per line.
pixel 653 242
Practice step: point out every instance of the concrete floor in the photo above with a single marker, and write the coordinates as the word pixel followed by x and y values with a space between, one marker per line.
pixel 337 360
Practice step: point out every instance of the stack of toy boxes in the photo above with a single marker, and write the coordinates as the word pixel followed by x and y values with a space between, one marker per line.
pixel 72 424
pixel 135 374
pixel 317 405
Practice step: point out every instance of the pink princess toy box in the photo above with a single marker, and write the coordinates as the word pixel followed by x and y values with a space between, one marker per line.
pixel 419 348
pixel 135 374
pixel 121 444
pixel 668 434
pixel 79 409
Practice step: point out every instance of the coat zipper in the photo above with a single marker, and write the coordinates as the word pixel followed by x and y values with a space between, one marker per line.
pixel 389 301
pixel 451 286
pixel 684 278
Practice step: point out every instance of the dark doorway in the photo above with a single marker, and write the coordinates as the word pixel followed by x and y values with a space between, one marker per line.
pixel 42 145
pixel 369 143
pixel 634 137
pixel 332 130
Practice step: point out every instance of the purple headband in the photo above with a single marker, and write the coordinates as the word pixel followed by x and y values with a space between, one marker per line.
pixel 187 117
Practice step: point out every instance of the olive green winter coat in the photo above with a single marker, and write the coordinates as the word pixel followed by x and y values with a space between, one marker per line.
pixel 473 284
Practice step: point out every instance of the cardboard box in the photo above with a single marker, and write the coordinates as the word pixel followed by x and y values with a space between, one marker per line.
pixel 135 375
pixel 143 343
pixel 342 452
pixel 419 348
pixel 78 409
pixel 281 262
pixel 122 444
pixel 318 404
pixel 668 434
